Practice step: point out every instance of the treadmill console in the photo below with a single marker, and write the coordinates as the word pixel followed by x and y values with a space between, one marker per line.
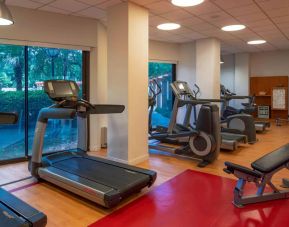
pixel 181 88
pixel 59 90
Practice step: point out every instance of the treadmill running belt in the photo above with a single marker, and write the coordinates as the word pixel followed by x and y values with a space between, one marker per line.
pixel 105 174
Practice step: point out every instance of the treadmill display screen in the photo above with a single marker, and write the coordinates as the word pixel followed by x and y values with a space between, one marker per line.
pixel 181 87
pixel 62 89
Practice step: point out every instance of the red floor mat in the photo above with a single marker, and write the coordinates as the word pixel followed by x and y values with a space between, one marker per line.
pixel 196 199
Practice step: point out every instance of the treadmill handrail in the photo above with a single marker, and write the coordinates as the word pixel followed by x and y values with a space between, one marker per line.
pixel 191 102
pixel 106 109
pixel 30 214
pixel 212 100
pixel 8 118
pixel 236 97
pixel 55 113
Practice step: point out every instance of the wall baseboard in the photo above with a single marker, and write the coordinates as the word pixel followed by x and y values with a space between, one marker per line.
pixel 131 162
pixel 96 147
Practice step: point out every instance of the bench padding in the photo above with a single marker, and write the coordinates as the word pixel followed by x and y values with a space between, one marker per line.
pixel 273 160
pixel 231 167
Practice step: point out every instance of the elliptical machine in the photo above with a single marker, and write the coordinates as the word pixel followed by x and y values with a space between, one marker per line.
pixel 227 95
pixel 152 100
pixel 238 128
pixel 229 112
pixel 201 141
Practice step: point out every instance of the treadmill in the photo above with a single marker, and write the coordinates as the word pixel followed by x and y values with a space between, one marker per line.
pixel 97 179
pixel 13 211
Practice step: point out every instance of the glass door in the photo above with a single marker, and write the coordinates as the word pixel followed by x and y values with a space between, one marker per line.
pixel 12 93
pixel 163 74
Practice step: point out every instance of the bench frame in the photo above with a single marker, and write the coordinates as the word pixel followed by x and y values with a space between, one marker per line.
pixel 265 179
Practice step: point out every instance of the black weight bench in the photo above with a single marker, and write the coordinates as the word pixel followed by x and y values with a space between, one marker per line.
pixel 261 174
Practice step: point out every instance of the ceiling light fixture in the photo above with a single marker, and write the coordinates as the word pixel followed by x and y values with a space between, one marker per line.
pixel 168 26
pixel 186 3
pixel 5 15
pixel 256 42
pixel 234 27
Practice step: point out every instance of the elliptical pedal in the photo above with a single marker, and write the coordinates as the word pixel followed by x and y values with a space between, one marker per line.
pixel 203 164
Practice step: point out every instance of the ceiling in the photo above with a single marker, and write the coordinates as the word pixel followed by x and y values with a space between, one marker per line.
pixel 265 19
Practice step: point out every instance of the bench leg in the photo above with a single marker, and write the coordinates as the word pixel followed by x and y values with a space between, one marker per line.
pixel 238 192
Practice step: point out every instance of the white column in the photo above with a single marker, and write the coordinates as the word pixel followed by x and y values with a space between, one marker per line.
pixel 242 74
pixel 186 71
pixel 127 82
pixel 208 67
pixel 98 85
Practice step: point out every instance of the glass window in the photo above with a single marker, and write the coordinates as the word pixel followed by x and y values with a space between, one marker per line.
pixel 47 64
pixel 43 64
pixel 12 88
pixel 163 75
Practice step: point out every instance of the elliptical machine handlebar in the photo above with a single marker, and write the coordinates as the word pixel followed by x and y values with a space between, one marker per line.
pixel 159 89
pixel 196 91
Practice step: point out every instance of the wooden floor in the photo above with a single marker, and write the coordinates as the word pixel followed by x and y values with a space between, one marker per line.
pixel 65 209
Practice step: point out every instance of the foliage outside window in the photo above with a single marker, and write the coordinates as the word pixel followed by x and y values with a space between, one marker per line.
pixel 43 64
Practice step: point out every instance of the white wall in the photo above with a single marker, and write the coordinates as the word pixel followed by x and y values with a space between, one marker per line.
pixel 98 85
pixel 242 74
pixel 270 63
pixel 228 72
pixel 44 28
pixel 163 51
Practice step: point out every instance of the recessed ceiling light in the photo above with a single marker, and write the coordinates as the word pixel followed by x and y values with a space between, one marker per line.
pixel 256 42
pixel 186 3
pixel 168 26
pixel 5 22
pixel 234 27
pixel 5 14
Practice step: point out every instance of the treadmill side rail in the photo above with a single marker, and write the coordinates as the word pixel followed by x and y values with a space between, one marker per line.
pixel 23 210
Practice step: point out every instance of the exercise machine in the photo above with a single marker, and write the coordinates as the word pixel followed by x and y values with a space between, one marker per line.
pixel 249 108
pixel 227 95
pixel 152 100
pixel 97 179
pixel 240 124
pixel 263 169
pixel 201 142
pixel 13 211
pixel 279 121
pixel 229 141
